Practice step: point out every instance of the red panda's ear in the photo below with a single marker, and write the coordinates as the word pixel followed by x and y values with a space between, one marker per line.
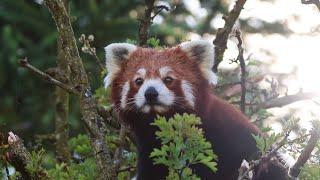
pixel 203 52
pixel 116 53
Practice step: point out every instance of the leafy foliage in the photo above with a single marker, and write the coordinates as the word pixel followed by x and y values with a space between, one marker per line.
pixel 36 162
pixel 265 144
pixel 183 145
pixel 310 172
pixel 82 171
pixel 80 145
pixel 153 42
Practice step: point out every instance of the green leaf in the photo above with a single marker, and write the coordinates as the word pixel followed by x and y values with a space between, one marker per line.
pixel 183 144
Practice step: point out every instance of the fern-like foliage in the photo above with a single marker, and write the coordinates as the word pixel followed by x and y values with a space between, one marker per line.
pixel 183 145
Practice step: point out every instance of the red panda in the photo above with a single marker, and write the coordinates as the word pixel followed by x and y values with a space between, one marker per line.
pixel 148 82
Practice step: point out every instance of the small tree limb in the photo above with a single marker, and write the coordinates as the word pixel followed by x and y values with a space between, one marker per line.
pixel 305 155
pixel 222 36
pixel 264 158
pixel 285 100
pixel 146 22
pixel 24 63
pixel 243 72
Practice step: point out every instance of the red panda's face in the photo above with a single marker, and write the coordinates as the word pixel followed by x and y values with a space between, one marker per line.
pixel 155 81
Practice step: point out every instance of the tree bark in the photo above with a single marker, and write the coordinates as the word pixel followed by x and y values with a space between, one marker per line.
pixel 88 107
pixel 146 22
pixel 19 158
pixel 62 105
pixel 221 39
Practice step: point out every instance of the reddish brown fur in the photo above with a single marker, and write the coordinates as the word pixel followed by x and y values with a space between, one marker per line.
pixel 152 60
pixel 225 127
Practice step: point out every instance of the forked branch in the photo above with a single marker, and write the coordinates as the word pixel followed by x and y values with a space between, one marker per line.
pixel 24 63
pixel 223 33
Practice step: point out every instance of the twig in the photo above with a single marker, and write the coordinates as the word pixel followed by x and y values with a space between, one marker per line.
pixel 243 72
pixel 223 33
pixel 146 22
pixel 87 48
pixel 129 168
pixel 298 139
pixel 45 137
pixel 304 156
pixel 315 2
pixel 266 157
pixel 94 54
pixel 160 9
pixel 24 63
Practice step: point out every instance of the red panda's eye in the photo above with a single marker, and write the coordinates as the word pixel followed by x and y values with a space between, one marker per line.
pixel 168 80
pixel 139 81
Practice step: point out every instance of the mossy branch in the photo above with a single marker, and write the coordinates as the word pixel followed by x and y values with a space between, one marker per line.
pixel 88 107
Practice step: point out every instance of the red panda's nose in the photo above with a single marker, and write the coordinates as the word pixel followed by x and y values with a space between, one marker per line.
pixel 151 95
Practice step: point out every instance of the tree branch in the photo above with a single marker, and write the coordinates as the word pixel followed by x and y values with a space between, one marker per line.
pixel 266 157
pixel 282 101
pixel 87 48
pixel 305 155
pixel 88 106
pixel 222 36
pixel 146 22
pixel 243 72
pixel 62 104
pixel 108 117
pixel 315 2
pixel 24 63
pixel 231 89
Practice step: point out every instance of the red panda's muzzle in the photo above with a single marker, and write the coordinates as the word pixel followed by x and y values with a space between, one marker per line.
pixel 151 96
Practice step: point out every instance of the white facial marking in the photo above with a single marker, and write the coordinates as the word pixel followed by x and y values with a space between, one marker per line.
pixel 142 72
pixel 188 93
pixel 160 109
pixel 165 97
pixel 164 71
pixel 124 94
pixel 107 80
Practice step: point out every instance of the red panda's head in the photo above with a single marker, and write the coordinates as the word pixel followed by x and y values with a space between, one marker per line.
pixel 157 80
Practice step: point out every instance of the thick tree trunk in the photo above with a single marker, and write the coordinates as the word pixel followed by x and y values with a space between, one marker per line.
pixel 62 110
pixel 62 104
pixel 88 107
